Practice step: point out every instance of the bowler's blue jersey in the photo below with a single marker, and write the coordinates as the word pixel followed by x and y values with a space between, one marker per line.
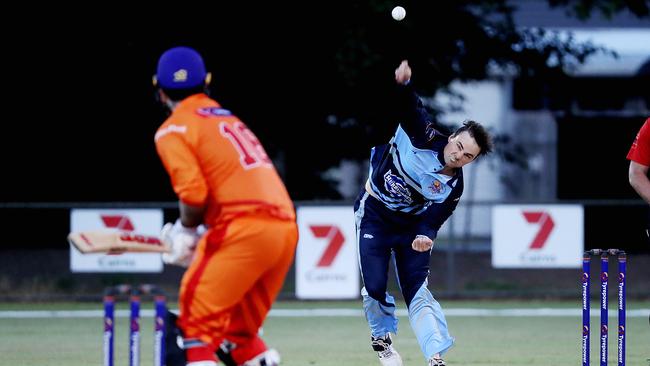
pixel 405 173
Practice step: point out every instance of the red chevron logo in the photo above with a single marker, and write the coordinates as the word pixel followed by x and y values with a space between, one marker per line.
pixel 335 240
pixel 120 222
pixel 546 226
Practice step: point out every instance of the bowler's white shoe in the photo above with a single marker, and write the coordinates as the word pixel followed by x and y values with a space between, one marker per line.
pixel 436 361
pixel 388 356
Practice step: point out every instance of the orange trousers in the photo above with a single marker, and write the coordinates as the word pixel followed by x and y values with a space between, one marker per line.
pixel 238 271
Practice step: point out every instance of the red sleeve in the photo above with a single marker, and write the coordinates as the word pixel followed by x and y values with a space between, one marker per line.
pixel 640 150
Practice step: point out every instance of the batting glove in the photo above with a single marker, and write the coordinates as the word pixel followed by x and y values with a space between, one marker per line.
pixel 181 242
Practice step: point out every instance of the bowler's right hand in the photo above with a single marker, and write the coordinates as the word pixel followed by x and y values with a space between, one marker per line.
pixel 403 73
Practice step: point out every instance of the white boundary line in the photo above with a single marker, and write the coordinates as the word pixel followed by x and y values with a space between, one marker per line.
pixel 334 312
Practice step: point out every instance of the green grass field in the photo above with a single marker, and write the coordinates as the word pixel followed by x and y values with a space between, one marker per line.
pixel 480 340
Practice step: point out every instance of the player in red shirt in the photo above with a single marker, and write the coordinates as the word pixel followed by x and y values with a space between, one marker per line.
pixel 639 156
pixel 226 183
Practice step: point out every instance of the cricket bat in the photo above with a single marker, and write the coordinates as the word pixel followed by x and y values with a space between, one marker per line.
pixel 115 242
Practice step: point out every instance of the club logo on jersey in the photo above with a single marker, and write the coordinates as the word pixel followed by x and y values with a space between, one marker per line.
pixel 435 187
pixel 396 186
pixel 213 111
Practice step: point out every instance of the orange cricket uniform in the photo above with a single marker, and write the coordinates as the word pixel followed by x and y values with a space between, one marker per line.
pixel 213 159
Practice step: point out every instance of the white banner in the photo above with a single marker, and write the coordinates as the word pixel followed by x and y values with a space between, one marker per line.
pixel 326 258
pixel 147 222
pixel 537 236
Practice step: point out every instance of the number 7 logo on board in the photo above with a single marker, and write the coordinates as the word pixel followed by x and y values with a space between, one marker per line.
pixel 335 240
pixel 546 226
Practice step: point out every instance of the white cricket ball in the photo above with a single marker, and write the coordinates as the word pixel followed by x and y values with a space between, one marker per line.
pixel 398 13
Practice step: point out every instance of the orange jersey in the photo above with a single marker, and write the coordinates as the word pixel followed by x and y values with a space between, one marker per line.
pixel 213 159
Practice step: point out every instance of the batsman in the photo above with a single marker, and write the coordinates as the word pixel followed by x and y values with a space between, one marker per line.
pixel 237 230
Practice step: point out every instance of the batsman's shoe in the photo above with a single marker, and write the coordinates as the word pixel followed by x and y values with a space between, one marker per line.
pixel 388 356
pixel 270 357
pixel 436 361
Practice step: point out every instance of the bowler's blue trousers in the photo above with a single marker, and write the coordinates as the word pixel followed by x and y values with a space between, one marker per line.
pixel 382 235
